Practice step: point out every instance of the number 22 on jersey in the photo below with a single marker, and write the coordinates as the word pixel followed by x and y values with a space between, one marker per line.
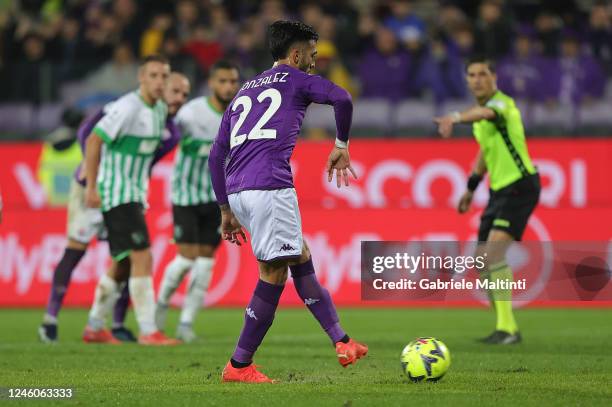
pixel 257 132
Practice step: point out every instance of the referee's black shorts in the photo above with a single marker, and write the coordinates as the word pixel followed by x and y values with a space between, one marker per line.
pixel 197 224
pixel 127 229
pixel 510 207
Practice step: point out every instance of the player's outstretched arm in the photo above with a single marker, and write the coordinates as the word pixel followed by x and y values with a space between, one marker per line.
pixel 92 162
pixel 473 114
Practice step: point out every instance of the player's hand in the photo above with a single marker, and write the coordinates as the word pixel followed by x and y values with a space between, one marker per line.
pixel 231 229
pixel 81 176
pixel 340 162
pixel 465 202
pixel 445 125
pixel 92 198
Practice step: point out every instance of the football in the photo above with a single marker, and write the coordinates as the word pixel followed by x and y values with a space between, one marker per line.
pixel 425 359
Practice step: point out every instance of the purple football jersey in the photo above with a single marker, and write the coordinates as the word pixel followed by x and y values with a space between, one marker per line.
pixel 260 128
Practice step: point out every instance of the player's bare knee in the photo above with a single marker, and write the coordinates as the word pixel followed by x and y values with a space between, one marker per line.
pixel 76 245
pixel 142 262
pixel 305 253
pixel 304 256
pixel 273 272
pixel 481 249
pixel 206 250
pixel 121 269
pixel 189 251
pixel 497 245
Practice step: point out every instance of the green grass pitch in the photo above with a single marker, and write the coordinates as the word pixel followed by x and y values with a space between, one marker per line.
pixel 564 360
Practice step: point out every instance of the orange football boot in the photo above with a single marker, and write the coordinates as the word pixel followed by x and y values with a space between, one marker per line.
pixel 349 353
pixel 101 336
pixel 248 374
pixel 157 338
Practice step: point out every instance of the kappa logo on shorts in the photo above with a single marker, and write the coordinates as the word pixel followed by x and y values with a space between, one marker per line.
pixel 310 301
pixel 286 247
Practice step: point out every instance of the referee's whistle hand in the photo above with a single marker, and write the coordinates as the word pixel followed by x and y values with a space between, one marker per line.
pixel 465 201
pixel 445 126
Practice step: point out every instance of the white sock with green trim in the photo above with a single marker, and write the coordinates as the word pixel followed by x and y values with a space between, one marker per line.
pixel 143 298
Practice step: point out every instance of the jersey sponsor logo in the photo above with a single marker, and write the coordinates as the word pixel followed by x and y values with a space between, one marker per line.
pixel 286 247
pixel 204 149
pixel 251 313
pixel 147 146
pixel 310 301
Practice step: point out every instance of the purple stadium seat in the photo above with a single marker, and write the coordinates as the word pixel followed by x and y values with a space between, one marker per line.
pixel 320 117
pixel 558 116
pixel 413 113
pixel 16 118
pixel 454 105
pixel 48 116
pixel 596 114
pixel 372 114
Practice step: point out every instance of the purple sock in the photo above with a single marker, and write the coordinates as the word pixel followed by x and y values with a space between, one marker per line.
pixel 121 307
pixel 257 320
pixel 61 279
pixel 317 299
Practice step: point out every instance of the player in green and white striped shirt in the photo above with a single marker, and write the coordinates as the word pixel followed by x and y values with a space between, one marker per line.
pixel 118 159
pixel 197 217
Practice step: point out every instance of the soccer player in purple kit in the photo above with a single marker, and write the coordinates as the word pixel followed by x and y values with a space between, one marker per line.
pixel 252 180
pixel 85 223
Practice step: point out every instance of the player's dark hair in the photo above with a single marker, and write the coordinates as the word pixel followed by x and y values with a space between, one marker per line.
pixel 223 64
pixel 480 59
pixel 154 58
pixel 284 34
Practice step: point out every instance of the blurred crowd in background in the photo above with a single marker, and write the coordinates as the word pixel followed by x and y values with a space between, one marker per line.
pixel 555 55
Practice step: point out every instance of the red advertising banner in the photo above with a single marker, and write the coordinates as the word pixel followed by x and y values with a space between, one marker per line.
pixel 406 190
